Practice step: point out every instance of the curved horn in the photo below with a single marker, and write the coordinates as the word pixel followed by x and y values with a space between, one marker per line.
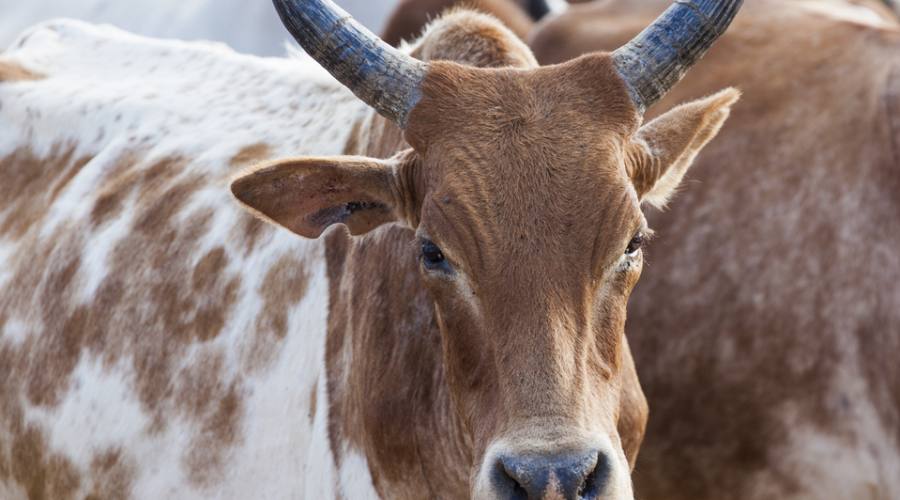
pixel 655 60
pixel 380 75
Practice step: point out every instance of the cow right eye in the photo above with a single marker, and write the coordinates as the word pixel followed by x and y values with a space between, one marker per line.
pixel 635 244
pixel 432 257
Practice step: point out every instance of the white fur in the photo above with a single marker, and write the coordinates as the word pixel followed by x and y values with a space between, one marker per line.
pixel 356 481
pixel 847 12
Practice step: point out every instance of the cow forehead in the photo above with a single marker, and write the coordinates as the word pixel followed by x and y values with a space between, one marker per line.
pixel 558 234
pixel 522 178
pixel 580 98
pixel 550 197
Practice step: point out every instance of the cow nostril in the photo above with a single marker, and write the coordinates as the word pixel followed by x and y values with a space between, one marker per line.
pixel 573 476
pixel 593 482
pixel 509 484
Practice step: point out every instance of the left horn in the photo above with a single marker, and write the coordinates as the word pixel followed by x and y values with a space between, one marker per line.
pixel 380 75
pixel 655 60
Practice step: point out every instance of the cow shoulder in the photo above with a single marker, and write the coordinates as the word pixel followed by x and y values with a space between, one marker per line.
pixel 141 308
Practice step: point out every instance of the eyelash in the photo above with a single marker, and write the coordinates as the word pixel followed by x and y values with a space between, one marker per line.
pixel 635 244
pixel 432 257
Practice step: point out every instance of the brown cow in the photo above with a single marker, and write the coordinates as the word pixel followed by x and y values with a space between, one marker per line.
pixel 501 246
pixel 766 333
pixel 409 17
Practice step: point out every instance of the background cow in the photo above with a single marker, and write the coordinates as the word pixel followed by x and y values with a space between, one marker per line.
pixel 410 16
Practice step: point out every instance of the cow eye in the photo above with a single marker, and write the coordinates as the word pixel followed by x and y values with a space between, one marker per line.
pixel 432 257
pixel 635 244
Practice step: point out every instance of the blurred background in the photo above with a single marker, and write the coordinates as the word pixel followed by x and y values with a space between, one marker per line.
pixel 249 26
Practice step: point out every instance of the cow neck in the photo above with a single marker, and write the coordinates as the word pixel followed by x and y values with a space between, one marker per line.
pixel 388 399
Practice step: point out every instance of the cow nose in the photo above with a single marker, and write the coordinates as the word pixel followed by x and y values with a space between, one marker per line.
pixel 574 476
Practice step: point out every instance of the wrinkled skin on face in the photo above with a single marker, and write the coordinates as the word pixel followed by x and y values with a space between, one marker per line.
pixel 510 227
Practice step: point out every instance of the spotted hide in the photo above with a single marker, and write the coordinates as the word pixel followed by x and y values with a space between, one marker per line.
pixel 157 341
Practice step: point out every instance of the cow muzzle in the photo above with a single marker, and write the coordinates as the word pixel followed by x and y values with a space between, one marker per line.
pixel 573 472
pixel 565 476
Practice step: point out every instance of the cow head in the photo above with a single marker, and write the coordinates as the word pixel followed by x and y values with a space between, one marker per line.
pixel 523 188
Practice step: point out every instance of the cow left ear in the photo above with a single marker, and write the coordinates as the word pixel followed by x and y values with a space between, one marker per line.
pixel 307 195
pixel 664 148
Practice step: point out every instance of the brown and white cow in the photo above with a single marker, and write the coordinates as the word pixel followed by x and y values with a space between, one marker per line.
pixel 158 342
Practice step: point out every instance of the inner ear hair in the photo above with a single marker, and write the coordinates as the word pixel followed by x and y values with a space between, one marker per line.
pixel 307 195
pixel 663 149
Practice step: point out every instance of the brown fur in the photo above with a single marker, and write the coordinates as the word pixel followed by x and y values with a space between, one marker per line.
pixel 285 285
pixel 526 179
pixel 761 278
pixel 31 184
pixel 43 476
pixel 250 154
pixel 113 476
pixel 12 72
pixel 410 16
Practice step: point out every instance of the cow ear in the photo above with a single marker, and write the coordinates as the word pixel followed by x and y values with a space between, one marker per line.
pixel 306 195
pixel 664 148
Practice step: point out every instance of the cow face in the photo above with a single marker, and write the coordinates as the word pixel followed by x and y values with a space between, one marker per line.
pixel 523 193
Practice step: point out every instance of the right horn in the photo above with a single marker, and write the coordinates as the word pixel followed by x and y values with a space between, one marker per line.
pixel 655 60
pixel 380 75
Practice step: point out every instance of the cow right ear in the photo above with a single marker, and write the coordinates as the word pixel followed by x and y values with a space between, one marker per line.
pixel 306 195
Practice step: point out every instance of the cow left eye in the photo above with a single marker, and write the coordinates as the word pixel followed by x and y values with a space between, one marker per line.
pixel 432 257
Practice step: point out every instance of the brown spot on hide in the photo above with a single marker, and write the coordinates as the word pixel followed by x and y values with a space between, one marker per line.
pixel 200 384
pixel 30 184
pixel 55 352
pixel 218 432
pixel 250 230
pixel 205 398
pixel 313 394
pixel 157 213
pixel 251 154
pixel 112 474
pixel 12 72
pixel 42 474
pixel 207 271
pixel 284 286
